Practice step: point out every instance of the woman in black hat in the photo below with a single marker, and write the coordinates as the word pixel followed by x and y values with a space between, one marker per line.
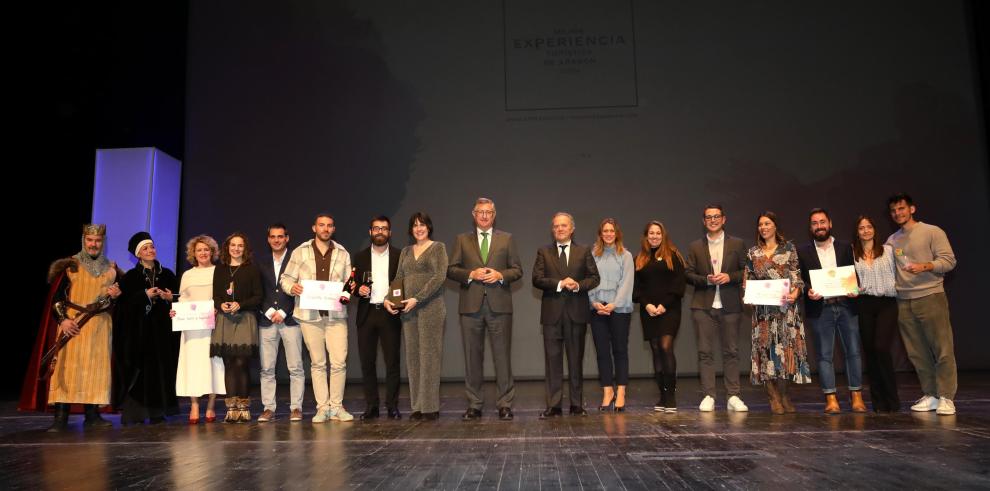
pixel 145 348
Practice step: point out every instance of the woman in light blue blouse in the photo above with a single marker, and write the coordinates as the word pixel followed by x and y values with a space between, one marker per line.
pixel 611 305
pixel 877 313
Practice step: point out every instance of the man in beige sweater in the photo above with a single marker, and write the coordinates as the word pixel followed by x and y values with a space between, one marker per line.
pixel 923 257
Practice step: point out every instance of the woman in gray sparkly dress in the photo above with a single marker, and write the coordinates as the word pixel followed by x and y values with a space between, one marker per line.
pixel 422 271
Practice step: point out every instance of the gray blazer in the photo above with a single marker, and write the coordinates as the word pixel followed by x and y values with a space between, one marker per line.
pixel 502 257
pixel 699 266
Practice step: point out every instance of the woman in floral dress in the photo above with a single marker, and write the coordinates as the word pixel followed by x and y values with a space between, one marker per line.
pixel 780 354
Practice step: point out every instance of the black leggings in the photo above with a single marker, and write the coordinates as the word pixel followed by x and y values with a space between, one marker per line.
pixel 236 375
pixel 664 361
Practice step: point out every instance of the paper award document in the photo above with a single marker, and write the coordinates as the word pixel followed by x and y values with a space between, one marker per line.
pixel 766 292
pixel 321 295
pixel 834 282
pixel 192 316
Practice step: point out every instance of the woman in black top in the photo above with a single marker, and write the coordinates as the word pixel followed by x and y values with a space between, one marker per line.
pixel 658 289
pixel 236 294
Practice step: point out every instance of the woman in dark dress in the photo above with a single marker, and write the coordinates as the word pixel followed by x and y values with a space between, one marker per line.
pixel 145 348
pixel 658 288
pixel 236 295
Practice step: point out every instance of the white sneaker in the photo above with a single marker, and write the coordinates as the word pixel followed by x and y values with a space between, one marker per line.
pixel 945 407
pixel 736 404
pixel 670 410
pixel 707 404
pixel 322 415
pixel 927 403
pixel 341 414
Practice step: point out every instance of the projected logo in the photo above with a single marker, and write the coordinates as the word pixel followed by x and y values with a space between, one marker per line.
pixel 569 54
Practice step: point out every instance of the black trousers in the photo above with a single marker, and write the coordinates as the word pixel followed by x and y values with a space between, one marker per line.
pixel 380 327
pixel 564 336
pixel 611 336
pixel 878 330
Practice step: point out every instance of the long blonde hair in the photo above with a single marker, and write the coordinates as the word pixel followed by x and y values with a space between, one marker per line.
pixel 600 244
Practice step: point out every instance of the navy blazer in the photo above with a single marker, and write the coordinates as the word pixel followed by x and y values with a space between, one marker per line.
pixel 274 296
pixel 808 257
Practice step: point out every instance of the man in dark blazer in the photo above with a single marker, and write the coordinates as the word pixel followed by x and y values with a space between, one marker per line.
pixel 275 322
pixel 829 316
pixel 715 266
pixel 484 263
pixel 374 324
pixel 565 271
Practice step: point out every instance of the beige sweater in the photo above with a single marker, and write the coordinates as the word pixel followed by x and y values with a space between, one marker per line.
pixel 921 244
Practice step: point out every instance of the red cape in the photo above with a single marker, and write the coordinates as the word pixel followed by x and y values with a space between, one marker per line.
pixel 34 392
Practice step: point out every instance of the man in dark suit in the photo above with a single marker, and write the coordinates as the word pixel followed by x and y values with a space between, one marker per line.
pixel 485 262
pixel 275 322
pixel 565 271
pixel 374 323
pixel 829 316
pixel 715 266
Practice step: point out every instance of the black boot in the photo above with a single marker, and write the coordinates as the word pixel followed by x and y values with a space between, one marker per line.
pixel 61 419
pixel 661 405
pixel 93 417
pixel 670 388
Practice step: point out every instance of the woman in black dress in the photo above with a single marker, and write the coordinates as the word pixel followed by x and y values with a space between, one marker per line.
pixel 658 289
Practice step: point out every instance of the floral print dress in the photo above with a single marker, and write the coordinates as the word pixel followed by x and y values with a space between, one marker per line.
pixel 779 349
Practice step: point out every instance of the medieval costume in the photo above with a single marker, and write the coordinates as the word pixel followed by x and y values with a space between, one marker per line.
pixel 82 288
pixel 145 348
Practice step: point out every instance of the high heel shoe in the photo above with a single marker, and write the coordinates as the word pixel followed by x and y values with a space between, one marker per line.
pixel 609 406
pixel 211 419
pixel 615 400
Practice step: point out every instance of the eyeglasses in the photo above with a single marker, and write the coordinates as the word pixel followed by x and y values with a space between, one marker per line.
pixel 709 218
pixel 484 213
pixel 379 229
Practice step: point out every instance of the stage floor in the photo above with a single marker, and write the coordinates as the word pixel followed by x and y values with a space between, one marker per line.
pixel 638 449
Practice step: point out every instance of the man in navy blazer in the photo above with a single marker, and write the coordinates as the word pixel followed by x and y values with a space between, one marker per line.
pixel 565 271
pixel 275 322
pixel 831 316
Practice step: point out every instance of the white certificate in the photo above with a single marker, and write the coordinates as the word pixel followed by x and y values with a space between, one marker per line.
pixel 834 282
pixel 191 316
pixel 766 292
pixel 321 295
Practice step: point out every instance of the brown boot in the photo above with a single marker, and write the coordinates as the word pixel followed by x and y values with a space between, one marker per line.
pixel 775 406
pixel 856 397
pixel 832 404
pixel 244 405
pixel 233 414
pixel 785 400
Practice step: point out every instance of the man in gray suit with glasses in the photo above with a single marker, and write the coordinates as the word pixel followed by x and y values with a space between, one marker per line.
pixel 484 263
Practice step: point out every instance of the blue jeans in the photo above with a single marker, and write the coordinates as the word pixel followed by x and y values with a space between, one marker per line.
pixel 836 319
